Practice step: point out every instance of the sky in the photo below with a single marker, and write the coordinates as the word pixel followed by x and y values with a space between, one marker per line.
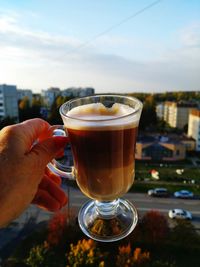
pixel 114 46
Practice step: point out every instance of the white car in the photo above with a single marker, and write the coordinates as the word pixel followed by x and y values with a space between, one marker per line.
pixel 158 192
pixel 184 194
pixel 180 214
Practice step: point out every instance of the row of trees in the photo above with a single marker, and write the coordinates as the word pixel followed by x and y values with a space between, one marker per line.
pixel 153 243
pixel 148 121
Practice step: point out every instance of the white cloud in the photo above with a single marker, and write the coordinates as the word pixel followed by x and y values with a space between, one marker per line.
pixel 190 36
pixel 38 59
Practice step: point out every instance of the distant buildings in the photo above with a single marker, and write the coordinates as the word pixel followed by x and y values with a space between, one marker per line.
pixel 50 94
pixel 10 95
pixel 22 93
pixel 177 114
pixel 194 126
pixel 8 101
pixel 160 110
pixel 78 92
pixel 180 114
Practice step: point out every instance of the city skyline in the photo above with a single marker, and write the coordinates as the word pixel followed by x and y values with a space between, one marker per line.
pixel 145 46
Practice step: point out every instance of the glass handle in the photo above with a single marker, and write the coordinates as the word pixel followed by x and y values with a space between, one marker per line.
pixel 56 166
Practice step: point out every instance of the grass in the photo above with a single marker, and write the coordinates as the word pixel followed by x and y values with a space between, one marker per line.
pixel 167 172
pixel 168 178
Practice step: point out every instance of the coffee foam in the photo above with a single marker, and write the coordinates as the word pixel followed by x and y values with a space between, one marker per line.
pixel 97 116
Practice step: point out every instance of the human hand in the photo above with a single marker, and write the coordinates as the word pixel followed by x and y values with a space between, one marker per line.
pixel 24 177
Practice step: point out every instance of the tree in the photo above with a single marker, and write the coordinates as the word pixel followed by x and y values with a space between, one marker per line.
pixel 153 227
pixel 184 234
pixel 148 117
pixel 54 116
pixel 29 110
pixel 57 228
pixel 7 121
pixel 24 109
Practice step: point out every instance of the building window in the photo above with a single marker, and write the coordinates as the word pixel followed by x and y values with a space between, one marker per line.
pixel 177 152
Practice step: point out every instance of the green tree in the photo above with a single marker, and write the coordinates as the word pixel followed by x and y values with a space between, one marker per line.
pixel 41 256
pixel 7 121
pixel 54 116
pixel 24 109
pixel 29 110
pixel 184 234
pixel 148 117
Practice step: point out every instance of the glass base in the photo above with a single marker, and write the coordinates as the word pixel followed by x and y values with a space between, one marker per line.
pixel 108 221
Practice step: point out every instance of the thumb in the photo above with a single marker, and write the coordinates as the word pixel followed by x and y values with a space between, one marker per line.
pixel 46 150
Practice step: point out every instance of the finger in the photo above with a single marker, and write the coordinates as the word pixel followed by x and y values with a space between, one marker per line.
pixel 46 201
pixel 54 177
pixel 60 154
pixel 49 148
pixel 54 190
pixel 33 130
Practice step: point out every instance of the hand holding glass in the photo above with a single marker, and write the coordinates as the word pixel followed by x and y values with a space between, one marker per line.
pixel 102 131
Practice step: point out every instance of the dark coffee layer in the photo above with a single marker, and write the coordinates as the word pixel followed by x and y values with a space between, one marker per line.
pixel 104 161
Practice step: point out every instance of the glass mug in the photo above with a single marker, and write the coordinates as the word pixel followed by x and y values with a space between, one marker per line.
pixel 102 131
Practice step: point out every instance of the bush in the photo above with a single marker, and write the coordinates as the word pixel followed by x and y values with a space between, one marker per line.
pixel 153 227
pixel 85 253
pixel 185 235
pixel 127 259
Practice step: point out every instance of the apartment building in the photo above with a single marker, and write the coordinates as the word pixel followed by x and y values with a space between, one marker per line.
pixel 22 93
pixel 194 126
pixel 160 110
pixel 50 95
pixel 78 92
pixel 8 101
pixel 177 114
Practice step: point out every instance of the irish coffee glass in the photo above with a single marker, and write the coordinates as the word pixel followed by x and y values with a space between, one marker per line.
pixel 102 131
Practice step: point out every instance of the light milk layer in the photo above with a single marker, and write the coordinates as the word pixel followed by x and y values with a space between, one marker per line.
pixel 97 116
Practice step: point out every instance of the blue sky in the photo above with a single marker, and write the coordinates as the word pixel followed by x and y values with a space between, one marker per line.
pixel 102 44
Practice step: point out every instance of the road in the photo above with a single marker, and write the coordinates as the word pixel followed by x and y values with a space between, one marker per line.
pixel 144 203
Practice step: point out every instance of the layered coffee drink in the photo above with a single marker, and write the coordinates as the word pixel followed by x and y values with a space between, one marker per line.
pixel 103 145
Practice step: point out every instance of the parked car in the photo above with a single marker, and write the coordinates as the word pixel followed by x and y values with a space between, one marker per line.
pixel 158 192
pixel 180 214
pixel 184 194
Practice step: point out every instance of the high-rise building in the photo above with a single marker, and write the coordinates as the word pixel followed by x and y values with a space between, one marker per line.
pixel 177 114
pixel 160 110
pixel 194 126
pixel 8 101
pixel 50 95
pixel 22 93
pixel 78 92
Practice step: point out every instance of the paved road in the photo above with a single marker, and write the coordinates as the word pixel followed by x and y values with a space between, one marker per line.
pixel 145 203
pixel 142 202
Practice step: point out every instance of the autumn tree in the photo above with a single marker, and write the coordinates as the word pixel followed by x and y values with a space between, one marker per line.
pixel 153 227
pixel 54 116
pixel 29 110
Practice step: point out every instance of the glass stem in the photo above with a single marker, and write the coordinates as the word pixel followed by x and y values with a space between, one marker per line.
pixel 107 208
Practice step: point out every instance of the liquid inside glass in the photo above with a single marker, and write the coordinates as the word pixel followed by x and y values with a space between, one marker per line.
pixel 104 153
